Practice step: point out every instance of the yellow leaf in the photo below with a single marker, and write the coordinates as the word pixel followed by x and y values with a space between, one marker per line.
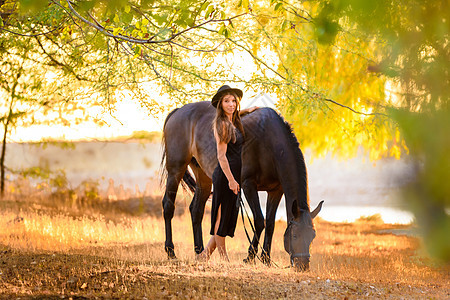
pixel 245 4
pixel 127 9
pixel 116 18
pixel 144 22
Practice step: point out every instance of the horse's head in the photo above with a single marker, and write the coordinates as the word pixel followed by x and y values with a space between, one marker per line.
pixel 299 236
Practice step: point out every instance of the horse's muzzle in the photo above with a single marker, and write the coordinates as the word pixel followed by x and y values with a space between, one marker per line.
pixel 300 264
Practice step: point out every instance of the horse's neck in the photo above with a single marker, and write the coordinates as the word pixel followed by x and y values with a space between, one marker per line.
pixel 294 180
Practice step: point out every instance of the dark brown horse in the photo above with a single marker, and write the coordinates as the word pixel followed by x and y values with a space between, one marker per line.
pixel 272 162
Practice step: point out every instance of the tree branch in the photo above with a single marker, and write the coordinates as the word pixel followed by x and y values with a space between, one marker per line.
pixel 150 40
pixel 56 62
pixel 30 35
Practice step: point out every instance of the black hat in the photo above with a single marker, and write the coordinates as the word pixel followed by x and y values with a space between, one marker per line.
pixel 222 90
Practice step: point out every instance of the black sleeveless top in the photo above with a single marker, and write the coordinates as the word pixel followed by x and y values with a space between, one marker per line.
pixel 222 195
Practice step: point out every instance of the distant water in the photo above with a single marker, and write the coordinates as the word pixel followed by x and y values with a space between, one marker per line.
pixel 348 213
pixel 389 215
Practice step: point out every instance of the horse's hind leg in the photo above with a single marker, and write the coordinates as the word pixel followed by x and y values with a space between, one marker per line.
pixel 273 200
pixel 173 179
pixel 197 206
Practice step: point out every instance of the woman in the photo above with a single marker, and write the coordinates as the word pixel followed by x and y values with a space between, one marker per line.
pixel 229 135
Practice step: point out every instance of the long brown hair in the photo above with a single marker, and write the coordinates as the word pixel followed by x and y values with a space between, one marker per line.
pixel 222 126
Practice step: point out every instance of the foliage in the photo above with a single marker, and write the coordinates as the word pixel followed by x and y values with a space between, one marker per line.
pixel 347 73
pixel 186 49
pixel 36 88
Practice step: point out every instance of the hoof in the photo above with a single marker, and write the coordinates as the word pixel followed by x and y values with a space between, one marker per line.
pixel 249 260
pixel 170 253
pixel 198 250
pixel 266 260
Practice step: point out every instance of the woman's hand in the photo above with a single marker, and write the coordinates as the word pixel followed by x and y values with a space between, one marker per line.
pixel 253 108
pixel 234 186
pixel 246 111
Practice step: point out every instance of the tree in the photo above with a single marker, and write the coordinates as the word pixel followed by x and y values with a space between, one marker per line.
pixel 43 81
pixel 330 63
pixel 411 44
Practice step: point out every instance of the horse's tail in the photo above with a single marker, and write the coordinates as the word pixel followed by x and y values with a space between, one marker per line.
pixel 188 181
pixel 162 166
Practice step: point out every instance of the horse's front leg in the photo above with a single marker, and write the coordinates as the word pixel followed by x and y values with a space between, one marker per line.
pixel 197 206
pixel 273 200
pixel 168 204
pixel 251 194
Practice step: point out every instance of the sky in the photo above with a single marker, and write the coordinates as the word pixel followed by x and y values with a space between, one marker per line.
pixel 128 118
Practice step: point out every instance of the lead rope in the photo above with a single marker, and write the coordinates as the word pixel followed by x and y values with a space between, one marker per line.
pixel 242 208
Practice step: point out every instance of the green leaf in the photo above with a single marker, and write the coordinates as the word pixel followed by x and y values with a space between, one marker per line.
pixel 32 6
pixel 84 5
pixel 222 29
pixel 209 11
pixel 284 25
pixel 163 33
pixel 278 6
pixel 203 7
pixel 127 18
pixel 137 49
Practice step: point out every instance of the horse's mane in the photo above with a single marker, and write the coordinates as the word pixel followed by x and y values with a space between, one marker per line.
pixel 300 160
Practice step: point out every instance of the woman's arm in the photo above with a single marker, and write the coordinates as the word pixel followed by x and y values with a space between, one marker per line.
pixel 223 162
pixel 245 111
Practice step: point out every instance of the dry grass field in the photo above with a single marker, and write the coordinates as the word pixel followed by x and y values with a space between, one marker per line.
pixel 61 253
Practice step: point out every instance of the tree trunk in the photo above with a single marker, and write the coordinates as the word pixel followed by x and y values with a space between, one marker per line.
pixel 2 160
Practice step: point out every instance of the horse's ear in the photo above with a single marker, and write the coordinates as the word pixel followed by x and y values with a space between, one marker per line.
pixel 316 211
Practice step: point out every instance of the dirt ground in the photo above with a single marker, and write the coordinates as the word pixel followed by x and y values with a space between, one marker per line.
pixel 50 251
pixel 58 276
pixel 366 259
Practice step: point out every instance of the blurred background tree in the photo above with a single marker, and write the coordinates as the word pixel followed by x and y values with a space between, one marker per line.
pixel 412 39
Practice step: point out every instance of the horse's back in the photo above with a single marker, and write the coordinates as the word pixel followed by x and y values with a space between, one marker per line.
pixel 188 131
pixel 187 113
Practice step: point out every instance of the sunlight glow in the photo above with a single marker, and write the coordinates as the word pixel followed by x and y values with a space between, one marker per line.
pixel 128 118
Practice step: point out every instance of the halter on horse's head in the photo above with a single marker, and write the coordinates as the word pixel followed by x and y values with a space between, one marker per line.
pixel 298 238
